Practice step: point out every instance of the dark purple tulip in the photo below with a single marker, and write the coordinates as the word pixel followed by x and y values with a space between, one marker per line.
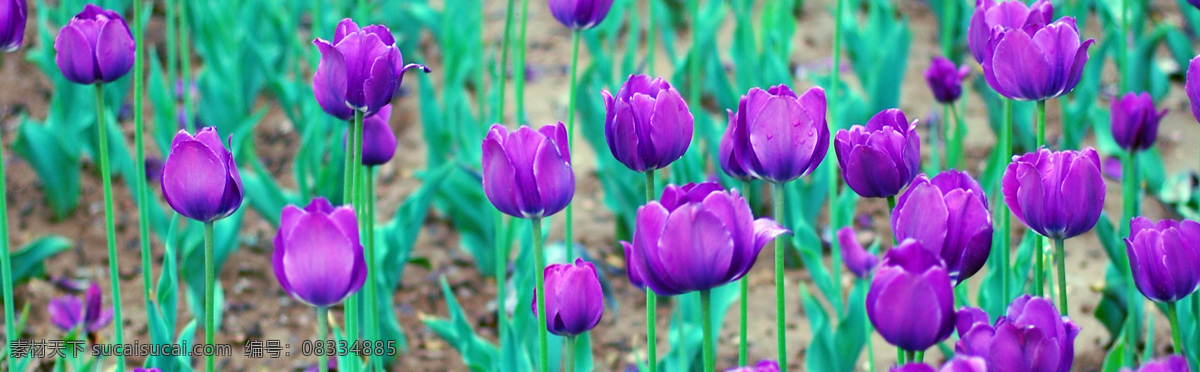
pixel 911 301
pixel 913 367
pixel 1035 63
pixel 68 312
pixel 1135 121
pixel 948 216
pixel 318 258
pixel 200 180
pixel 858 260
pixel 696 237
pixel 993 15
pixel 1163 257
pixel 762 366
pixel 94 47
pixel 883 157
pixel 1195 3
pixel 580 14
pixel 647 125
pixel 1192 86
pixel 776 135
pixel 527 173
pixel 379 142
pixel 1031 336
pixel 945 79
pixel 12 24
pixel 575 302
pixel 1059 194
pixel 1171 363
pixel 154 169
pixel 359 71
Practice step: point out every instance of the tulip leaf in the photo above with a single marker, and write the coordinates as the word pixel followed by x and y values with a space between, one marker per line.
pixel 457 331
pixel 57 167
pixel 28 261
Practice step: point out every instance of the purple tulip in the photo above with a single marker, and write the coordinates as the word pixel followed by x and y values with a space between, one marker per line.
pixel 858 260
pixel 527 173
pixel 883 157
pixel 332 363
pixel 94 47
pixel 1135 121
pixel 1171 363
pixel 911 301
pixel 647 125
pixel 965 364
pixel 12 24
pixel 318 258
pixel 775 135
pixel 1192 86
pixel 1195 3
pixel 140 369
pixel 359 71
pixel 945 79
pixel 697 237
pixel 993 15
pixel 762 366
pixel 68 312
pixel 1163 257
pixel 1031 336
pixel 200 180
pixel 913 367
pixel 575 302
pixel 1036 62
pixel 1059 194
pixel 948 216
pixel 580 14
pixel 379 142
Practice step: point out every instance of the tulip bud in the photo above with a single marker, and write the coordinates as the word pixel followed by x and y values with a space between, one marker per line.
pixel 775 135
pixel 12 24
pixel 1163 257
pixel 574 300
pixel 1135 121
pixel 858 260
pixel 911 301
pixel 359 71
pixel 647 125
pixel 527 173
pixel 1059 194
pixel 94 47
pixel 882 158
pixel 948 216
pixel 580 14
pixel 379 142
pixel 1171 363
pixel 199 179
pixel 945 80
pixel 318 259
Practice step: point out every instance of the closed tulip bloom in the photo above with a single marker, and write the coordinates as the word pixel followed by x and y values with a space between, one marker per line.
pixel 1164 257
pixel 527 173
pixel 1192 86
pixel 1031 336
pixel 762 366
pixel 1171 363
pixel 318 259
pixel 991 15
pixel 199 179
pixel 858 260
pixel 880 159
pixel 94 47
pixel 647 125
pixel 948 216
pixel 379 142
pixel 68 312
pixel 1059 194
pixel 12 24
pixel 575 302
pixel 911 301
pixel 1135 121
pixel 580 14
pixel 696 237
pixel 359 71
pixel 775 135
pixel 1035 63
pixel 945 79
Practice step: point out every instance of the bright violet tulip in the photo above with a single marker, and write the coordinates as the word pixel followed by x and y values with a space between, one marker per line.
pixel 1163 257
pixel 762 366
pixel 139 369
pixel 965 364
pixel 883 157
pixel 858 260
pixel 575 302
pixel 1035 63
pixel 911 301
pixel 68 312
pixel 1059 194
pixel 776 135
pixel 379 142
pixel 527 173
pixel 696 237
pixel 12 24
pixel 318 259
pixel 1135 121
pixel 1192 86
pixel 647 124
pixel 913 367
pixel 359 71
pixel 1172 363
pixel 948 216
pixel 1031 336
pixel 94 47
pixel 200 180
pixel 580 14
pixel 945 79
pixel 993 15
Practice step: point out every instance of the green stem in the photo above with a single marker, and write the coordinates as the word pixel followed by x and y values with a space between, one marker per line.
pixel 706 323
pixel 322 326
pixel 10 327
pixel 568 236
pixel 1039 277
pixel 372 312
pixel 694 67
pixel 935 133
pixel 900 356
pixel 139 164
pixel 780 321
pixel 1006 135
pixel 1123 65
pixel 1176 338
pixel 109 228
pixel 960 133
pixel 744 287
pixel 210 318
pixel 519 69
pixel 503 76
pixel 651 298
pixel 1041 123
pixel 919 356
pixel 1129 185
pixel 834 187
pixel 1037 240
pixel 947 26
pixel 186 72
pixel 1059 253
pixel 569 361
pixel 651 35
pixel 870 348
pixel 891 200
pixel 501 279
pixel 539 266
pixel 352 307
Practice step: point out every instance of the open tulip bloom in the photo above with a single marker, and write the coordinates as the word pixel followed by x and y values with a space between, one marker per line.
pixel 360 70
pixel 1031 336
pixel 68 312
pixel 949 216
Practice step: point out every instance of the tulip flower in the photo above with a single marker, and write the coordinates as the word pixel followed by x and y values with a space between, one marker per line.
pixel 1171 363
pixel 945 80
pixel 948 216
pixel 965 364
pixel 858 260
pixel 882 158
pixel 1035 62
pixel 1135 121
pixel 1163 257
pixel 359 71
pixel 139 369
pixel 762 366
pixel 200 180
pixel 527 173
pixel 993 15
pixel 1058 194
pixel 379 142
pixel 580 14
pixel 1192 86
pixel 911 301
pixel 575 302
pixel 775 135
pixel 68 312
pixel 647 124
pixel 318 259
pixel 697 237
pixel 1194 3
pixel 1031 336
pixel 94 47
pixel 913 367
pixel 12 24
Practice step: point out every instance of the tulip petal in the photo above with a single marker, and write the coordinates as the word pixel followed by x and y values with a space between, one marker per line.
pixel 318 261
pixel 329 83
pixel 695 248
pixel 193 180
pixel 871 173
pixel 345 27
pixel 671 128
pixel 381 82
pixel 1020 69
pixel 555 179
pixel 499 183
pixel 778 141
pixel 75 56
pixel 66 312
pixel 923 216
pixel 114 50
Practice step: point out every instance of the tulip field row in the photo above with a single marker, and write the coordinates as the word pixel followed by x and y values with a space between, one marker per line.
pixel 600 185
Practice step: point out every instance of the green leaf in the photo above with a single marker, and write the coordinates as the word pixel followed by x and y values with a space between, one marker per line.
pixel 55 164
pixel 28 262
